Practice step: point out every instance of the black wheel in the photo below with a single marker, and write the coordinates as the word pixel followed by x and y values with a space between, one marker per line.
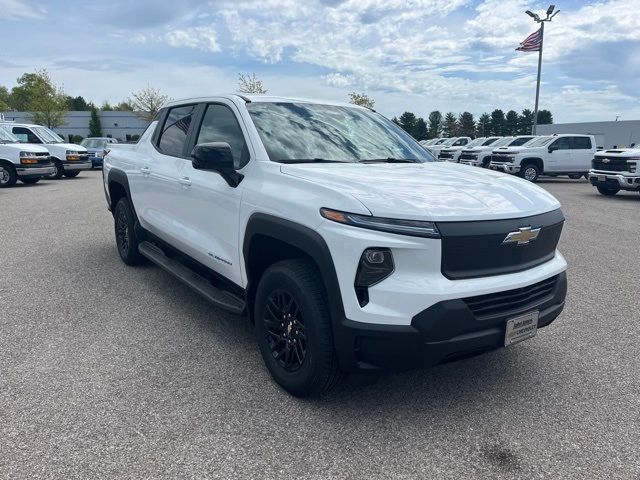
pixel 30 181
pixel 608 190
pixel 575 176
pixel 293 328
pixel 8 176
pixel 72 174
pixel 58 170
pixel 530 171
pixel 126 239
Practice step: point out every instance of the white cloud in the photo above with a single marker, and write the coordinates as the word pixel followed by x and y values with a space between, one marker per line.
pixel 20 9
pixel 203 38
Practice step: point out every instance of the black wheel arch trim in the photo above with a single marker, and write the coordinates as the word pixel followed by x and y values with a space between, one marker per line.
pixel 119 177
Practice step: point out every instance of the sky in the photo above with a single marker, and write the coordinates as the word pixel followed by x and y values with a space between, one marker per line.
pixel 416 55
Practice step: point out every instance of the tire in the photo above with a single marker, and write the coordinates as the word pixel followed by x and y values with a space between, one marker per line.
pixel 608 191
pixel 8 176
pixel 58 170
pixel 576 176
pixel 293 328
pixel 124 228
pixel 30 181
pixel 72 174
pixel 530 171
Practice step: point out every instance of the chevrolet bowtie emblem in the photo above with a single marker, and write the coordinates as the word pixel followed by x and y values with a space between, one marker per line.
pixel 523 236
pixel 606 160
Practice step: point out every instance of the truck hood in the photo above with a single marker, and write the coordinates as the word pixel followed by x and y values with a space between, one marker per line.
pixel 434 191
pixel 622 153
pixel 24 147
pixel 63 147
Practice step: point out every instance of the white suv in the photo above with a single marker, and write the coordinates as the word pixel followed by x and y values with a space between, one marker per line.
pixel 335 232
pixel 20 161
pixel 68 158
pixel 549 155
pixel 615 170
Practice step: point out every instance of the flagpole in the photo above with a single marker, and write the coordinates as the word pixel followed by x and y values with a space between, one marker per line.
pixel 535 113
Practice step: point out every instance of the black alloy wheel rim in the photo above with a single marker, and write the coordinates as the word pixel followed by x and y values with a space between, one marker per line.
pixel 122 231
pixel 285 330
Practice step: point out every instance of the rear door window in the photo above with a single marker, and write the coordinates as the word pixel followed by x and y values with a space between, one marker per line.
pixel 581 143
pixel 175 130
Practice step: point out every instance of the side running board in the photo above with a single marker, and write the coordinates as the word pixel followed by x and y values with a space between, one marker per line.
pixel 220 298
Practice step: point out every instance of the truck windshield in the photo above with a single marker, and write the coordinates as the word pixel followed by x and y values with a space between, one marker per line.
pixel 47 135
pixel 6 137
pixel 93 143
pixel 518 142
pixel 539 142
pixel 309 132
pixel 475 142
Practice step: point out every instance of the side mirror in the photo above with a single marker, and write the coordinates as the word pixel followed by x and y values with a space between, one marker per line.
pixel 216 157
pixel 553 148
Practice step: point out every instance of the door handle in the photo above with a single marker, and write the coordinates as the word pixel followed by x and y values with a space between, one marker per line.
pixel 184 181
pixel 145 170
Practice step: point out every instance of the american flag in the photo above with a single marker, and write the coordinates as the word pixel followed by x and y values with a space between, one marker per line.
pixel 532 43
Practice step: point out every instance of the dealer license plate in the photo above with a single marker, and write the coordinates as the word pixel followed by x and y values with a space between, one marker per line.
pixel 521 328
pixel 602 178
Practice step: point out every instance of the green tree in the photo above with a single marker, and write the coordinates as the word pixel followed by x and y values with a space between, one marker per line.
pixel 467 125
pixel 123 107
pixel 435 124
pixel 450 126
pixel 525 122
pixel 544 117
pixel 422 132
pixel 37 94
pixel 77 103
pixel 4 99
pixel 408 122
pixel 95 127
pixel 361 99
pixel 147 102
pixel 106 106
pixel 250 84
pixel 483 127
pixel 497 122
pixel 511 123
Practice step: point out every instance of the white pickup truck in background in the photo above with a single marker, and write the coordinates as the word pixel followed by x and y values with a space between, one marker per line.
pixel 615 170
pixel 552 155
pixel 452 154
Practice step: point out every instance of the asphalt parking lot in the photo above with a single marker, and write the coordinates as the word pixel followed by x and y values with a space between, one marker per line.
pixel 112 371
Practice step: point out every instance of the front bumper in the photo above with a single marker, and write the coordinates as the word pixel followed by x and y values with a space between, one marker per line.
pixel 444 332
pixel 504 167
pixel 626 181
pixel 96 161
pixel 76 165
pixel 473 163
pixel 35 171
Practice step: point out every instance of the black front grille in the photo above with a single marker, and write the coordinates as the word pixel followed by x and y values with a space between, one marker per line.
pixel 468 156
pixel 41 154
pixel 511 300
pixel 44 160
pixel 611 164
pixel 501 158
pixel 445 155
pixel 476 249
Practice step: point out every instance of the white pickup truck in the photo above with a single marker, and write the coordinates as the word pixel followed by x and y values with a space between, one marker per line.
pixel 452 154
pixel 615 170
pixel 480 155
pixel 451 142
pixel 68 158
pixel 348 248
pixel 548 155
pixel 21 161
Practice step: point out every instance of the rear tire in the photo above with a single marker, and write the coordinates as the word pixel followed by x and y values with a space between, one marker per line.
pixel 8 176
pixel 293 328
pixel 608 191
pixel 30 181
pixel 576 176
pixel 530 171
pixel 58 170
pixel 71 174
pixel 126 240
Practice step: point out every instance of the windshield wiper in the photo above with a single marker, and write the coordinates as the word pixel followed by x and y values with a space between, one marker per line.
pixel 310 160
pixel 390 160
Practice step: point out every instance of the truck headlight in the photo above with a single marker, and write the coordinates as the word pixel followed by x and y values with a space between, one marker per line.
pixel 633 167
pixel 413 228
pixel 28 158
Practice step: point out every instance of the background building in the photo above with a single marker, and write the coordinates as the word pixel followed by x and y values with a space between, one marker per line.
pixel 120 125
pixel 608 134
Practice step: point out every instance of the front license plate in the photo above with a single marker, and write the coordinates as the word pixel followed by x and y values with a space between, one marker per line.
pixel 521 328
pixel 602 178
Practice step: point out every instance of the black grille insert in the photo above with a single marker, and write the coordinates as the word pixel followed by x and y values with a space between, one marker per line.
pixel 612 164
pixel 511 300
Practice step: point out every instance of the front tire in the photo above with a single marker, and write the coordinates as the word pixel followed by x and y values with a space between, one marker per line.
pixel 576 176
pixel 30 181
pixel 608 191
pixel 8 176
pixel 530 171
pixel 58 170
pixel 126 239
pixel 72 174
pixel 293 328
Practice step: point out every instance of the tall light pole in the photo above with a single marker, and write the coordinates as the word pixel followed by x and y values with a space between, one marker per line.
pixel 541 21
